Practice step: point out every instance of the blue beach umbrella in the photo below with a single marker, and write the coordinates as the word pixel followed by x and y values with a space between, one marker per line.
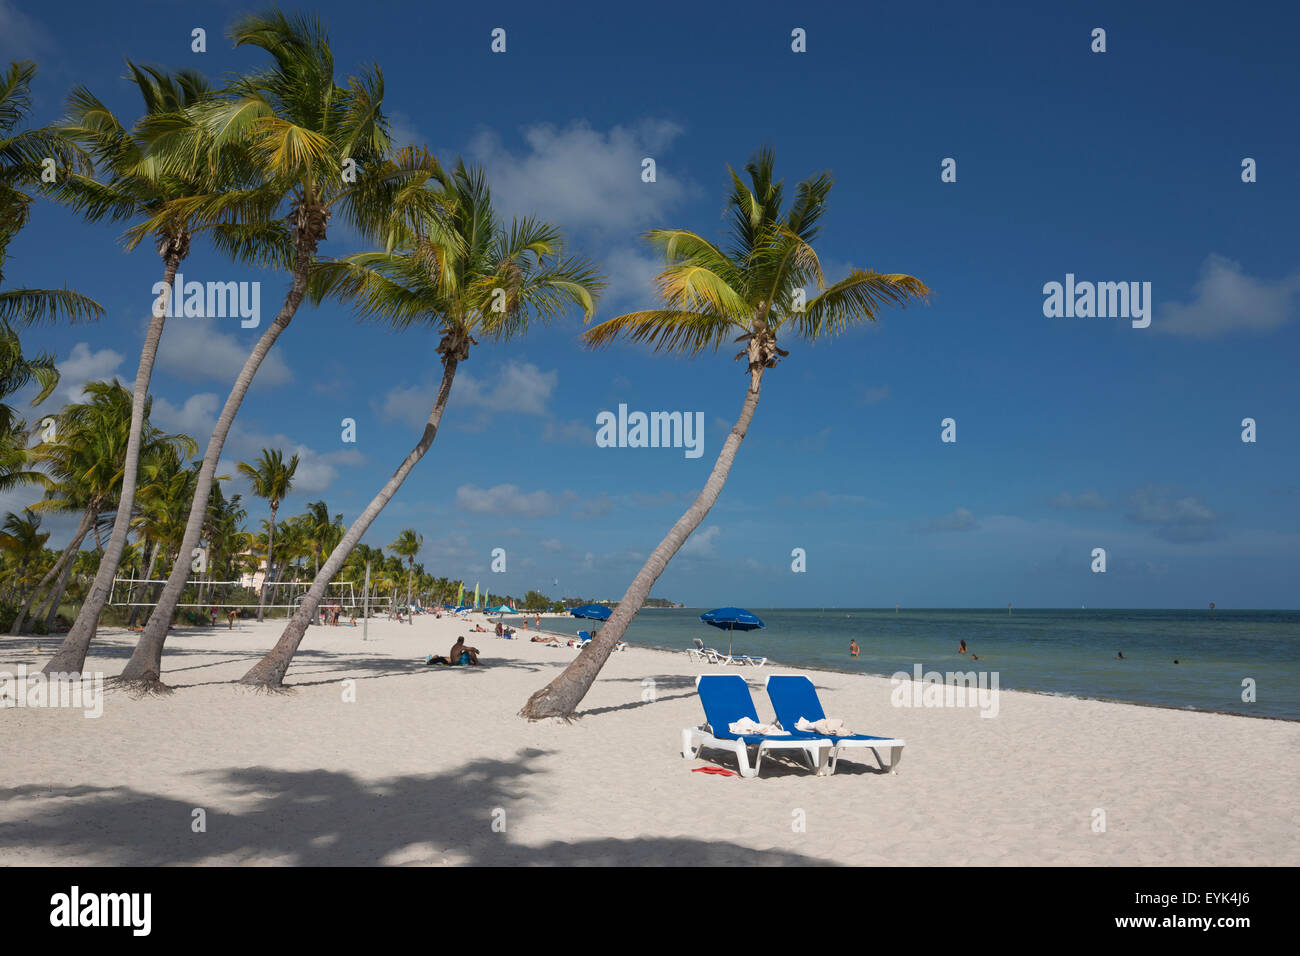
pixel 732 619
pixel 592 612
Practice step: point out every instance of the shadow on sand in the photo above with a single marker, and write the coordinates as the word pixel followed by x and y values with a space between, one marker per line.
pixel 328 818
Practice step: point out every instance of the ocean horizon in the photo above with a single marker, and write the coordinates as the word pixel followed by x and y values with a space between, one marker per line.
pixel 1059 651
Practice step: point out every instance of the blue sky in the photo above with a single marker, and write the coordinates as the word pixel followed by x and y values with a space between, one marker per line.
pixel 1072 433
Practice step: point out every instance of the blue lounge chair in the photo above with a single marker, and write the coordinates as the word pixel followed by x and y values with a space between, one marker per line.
pixel 794 697
pixel 726 699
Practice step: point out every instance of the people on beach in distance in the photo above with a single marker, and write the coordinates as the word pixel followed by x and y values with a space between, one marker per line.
pixel 546 640
pixel 961 648
pixel 499 629
pixel 230 619
pixel 537 621
pixel 480 628
pixel 853 648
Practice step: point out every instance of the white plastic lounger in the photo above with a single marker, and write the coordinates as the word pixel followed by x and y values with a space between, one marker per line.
pixel 793 697
pixel 726 699
pixel 701 654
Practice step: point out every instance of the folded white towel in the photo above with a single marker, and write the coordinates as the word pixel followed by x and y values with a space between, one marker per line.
pixel 745 726
pixel 827 726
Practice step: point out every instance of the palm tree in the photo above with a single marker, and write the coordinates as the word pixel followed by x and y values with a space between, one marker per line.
pixel 479 279
pixel 408 545
pixel 84 465
pixel 323 530
pixel 272 479
pixel 22 154
pixel 748 293
pixel 147 169
pixel 305 132
pixel 16 372
pixel 22 541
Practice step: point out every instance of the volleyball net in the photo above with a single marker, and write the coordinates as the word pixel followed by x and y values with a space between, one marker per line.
pixel 144 592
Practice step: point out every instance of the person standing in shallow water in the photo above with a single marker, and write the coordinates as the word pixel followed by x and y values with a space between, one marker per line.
pixel 961 648
pixel 853 648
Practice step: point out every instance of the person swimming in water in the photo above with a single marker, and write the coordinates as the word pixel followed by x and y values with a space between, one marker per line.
pixel 961 648
pixel 1119 656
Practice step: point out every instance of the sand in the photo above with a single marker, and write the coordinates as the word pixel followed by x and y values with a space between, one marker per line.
pixel 376 759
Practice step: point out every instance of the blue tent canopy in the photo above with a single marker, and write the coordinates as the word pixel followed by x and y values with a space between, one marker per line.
pixel 503 609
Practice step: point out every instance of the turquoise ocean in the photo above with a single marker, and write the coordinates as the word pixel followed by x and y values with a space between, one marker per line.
pixel 1065 652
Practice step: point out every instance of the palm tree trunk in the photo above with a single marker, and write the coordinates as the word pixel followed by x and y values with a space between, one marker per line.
pixel 410 571
pixel 266 579
pixel 270 670
pixel 153 558
pixel 561 696
pixel 52 609
pixel 72 652
pixel 145 665
pixel 83 528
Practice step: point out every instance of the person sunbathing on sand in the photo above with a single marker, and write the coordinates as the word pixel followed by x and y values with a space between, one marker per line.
pixel 546 640
pixel 480 628
pixel 462 653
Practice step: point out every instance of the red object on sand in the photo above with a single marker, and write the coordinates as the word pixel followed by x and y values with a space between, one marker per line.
pixel 721 771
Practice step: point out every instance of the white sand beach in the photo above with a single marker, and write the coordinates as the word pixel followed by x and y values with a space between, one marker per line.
pixel 432 766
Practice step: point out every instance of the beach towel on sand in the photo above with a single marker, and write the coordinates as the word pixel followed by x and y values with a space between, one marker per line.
pixel 827 727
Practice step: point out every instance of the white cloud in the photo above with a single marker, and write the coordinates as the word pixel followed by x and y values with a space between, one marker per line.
pixel 630 274
pixel 20 35
pixel 506 500
pixel 195 417
pixel 517 387
pixel 81 366
pixel 1228 300
pixel 195 350
pixel 569 433
pixel 874 395
pixel 579 177
pixel 959 520
pixel 1090 500
pixel 701 543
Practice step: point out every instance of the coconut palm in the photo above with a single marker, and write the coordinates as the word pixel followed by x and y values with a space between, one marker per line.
pixel 480 280
pixel 22 541
pixel 272 479
pixel 17 371
pixel 320 147
pixel 22 156
pixel 84 465
pixel 145 170
pixel 750 292
pixel 408 545
pixel 323 530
